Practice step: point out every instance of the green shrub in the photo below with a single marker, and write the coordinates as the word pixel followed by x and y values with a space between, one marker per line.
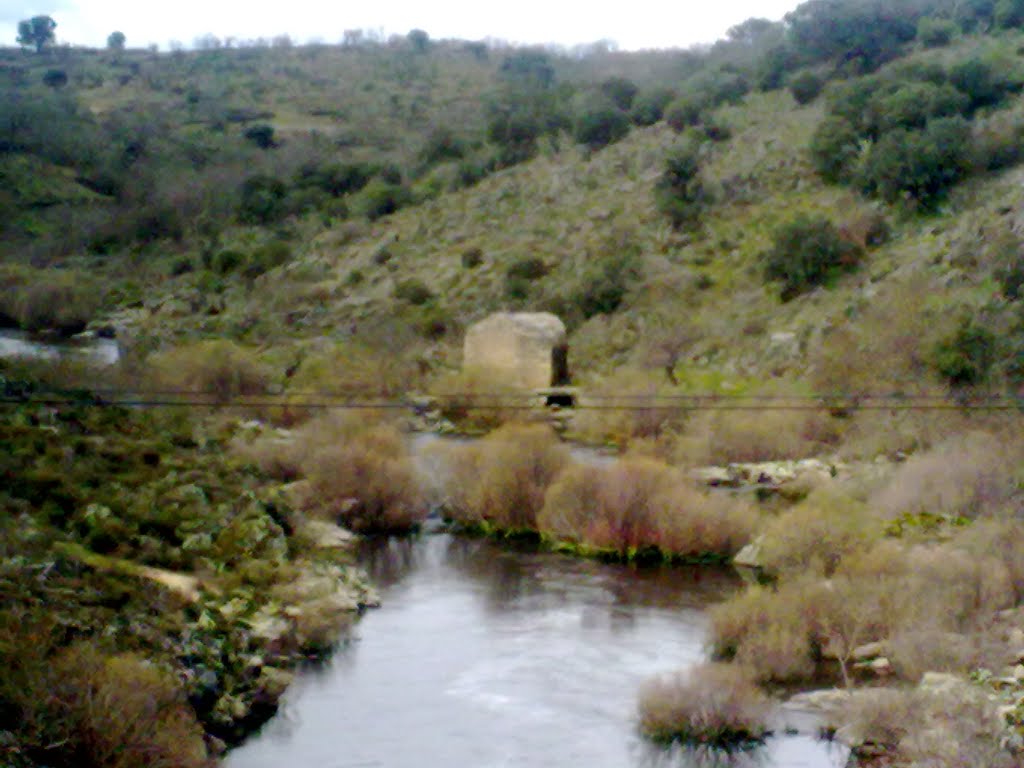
pixel 262 200
pixel 982 83
pixel 441 145
pixel 413 291
pixel 680 193
pixel 528 268
pixel 267 257
pixel 600 125
pixel 620 91
pixel 649 105
pixel 334 179
pixel 381 198
pixel 965 358
pixel 912 105
pixel 1009 271
pixel 227 261
pixel 261 135
pixel 807 252
pixel 715 129
pixel 472 258
pixel 55 78
pixel 835 149
pixel 920 165
pixel 1009 14
pixel 683 113
pixel 936 33
pixel 805 87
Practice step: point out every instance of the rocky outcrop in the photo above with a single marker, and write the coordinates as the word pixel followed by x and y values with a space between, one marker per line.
pixel 520 349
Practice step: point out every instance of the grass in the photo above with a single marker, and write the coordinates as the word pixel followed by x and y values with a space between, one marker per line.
pixel 715 704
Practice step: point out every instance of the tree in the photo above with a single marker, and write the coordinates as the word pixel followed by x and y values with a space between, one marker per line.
pixel 37 31
pixel 419 40
pixel 116 41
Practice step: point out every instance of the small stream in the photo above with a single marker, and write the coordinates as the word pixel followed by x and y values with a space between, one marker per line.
pixel 485 655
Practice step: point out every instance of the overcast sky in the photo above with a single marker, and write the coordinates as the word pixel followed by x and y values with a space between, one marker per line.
pixel 632 24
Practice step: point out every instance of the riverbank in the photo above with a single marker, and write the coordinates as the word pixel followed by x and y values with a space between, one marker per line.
pixel 140 562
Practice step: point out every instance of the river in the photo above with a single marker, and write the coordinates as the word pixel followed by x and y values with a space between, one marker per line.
pixel 86 348
pixel 485 656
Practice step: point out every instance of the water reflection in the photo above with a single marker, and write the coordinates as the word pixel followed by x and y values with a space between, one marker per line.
pixel 485 655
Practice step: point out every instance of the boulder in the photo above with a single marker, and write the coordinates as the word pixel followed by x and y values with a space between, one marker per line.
pixel 522 349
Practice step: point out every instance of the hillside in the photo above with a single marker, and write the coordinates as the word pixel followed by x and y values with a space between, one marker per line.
pixel 233 192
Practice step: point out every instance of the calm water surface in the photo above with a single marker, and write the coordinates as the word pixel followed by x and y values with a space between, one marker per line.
pixel 486 656
pixel 95 350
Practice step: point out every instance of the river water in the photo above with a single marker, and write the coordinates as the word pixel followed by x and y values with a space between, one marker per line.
pixel 88 349
pixel 490 656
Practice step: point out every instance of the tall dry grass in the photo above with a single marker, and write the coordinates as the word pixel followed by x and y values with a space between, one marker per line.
pixel 77 706
pixel 968 476
pixel 356 469
pixel 716 704
pixel 214 371
pixel 640 504
pixel 814 536
pixel 477 401
pixel 741 436
pixel 951 725
pixel 627 406
pixel 890 590
pixel 500 481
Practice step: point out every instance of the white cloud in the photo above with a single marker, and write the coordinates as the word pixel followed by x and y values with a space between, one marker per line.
pixel 638 24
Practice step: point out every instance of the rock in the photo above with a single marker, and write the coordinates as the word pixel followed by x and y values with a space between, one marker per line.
pixel 273 682
pixel 940 682
pixel 522 349
pixel 750 555
pixel 324 535
pixel 868 651
pixel 715 477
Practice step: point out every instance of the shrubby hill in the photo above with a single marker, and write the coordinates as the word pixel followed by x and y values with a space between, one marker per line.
pixel 803 207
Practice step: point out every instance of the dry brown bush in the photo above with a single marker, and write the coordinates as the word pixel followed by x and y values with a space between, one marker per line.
pixel 968 476
pixel 718 704
pixel 214 371
pixel 952 725
pixel 353 372
pixel 771 631
pixel 361 474
pixel 751 435
pixel 627 406
pixel 124 712
pixel 999 539
pixel 639 503
pixel 814 536
pixel 477 401
pixel 500 481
